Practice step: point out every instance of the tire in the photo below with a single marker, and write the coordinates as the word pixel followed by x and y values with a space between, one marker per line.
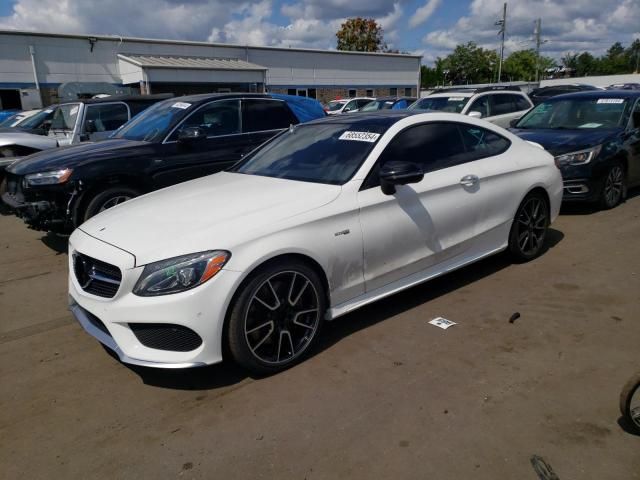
pixel 107 199
pixel 613 187
pixel 529 228
pixel 276 317
pixel 631 413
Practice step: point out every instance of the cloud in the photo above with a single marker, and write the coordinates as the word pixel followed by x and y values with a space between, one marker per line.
pixel 423 13
pixel 567 26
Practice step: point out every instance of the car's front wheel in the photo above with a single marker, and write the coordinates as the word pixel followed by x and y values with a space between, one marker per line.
pixel 276 317
pixel 613 188
pixel 529 228
pixel 106 199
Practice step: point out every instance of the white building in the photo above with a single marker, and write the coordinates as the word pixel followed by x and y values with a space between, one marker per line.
pixel 61 66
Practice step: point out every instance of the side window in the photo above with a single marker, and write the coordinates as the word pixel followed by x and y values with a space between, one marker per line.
pixel 521 102
pixel 352 105
pixel 433 146
pixel 363 102
pixel 259 115
pixel 481 143
pixel 481 105
pixel 635 116
pixel 216 118
pixel 501 104
pixel 106 118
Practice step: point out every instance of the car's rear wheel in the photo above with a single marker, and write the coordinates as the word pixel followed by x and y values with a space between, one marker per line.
pixel 529 228
pixel 276 317
pixel 630 402
pixel 613 188
pixel 106 199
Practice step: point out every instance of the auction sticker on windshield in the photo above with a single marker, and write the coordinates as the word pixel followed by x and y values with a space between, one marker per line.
pixel 360 136
pixel 610 100
pixel 182 105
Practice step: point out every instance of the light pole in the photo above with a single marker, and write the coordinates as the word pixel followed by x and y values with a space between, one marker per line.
pixel 503 28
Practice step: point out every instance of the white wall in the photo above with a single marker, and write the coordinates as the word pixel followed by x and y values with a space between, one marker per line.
pixel 70 59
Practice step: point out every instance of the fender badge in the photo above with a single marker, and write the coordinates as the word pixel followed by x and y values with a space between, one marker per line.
pixel 342 232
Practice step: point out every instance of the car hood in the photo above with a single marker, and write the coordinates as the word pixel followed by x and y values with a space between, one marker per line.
pixel 31 140
pixel 72 156
pixel 220 211
pixel 559 142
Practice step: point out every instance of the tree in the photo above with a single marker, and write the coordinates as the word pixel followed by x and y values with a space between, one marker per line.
pixel 360 35
pixel 469 64
pixel 521 65
pixel 430 77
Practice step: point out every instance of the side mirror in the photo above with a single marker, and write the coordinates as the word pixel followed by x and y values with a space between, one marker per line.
pixel 398 173
pixel 514 122
pixel 90 126
pixel 191 134
pixel 474 114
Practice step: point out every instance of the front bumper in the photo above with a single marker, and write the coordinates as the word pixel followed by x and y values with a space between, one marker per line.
pixel 110 320
pixel 581 190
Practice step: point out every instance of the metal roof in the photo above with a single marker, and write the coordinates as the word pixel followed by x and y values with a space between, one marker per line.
pixel 121 39
pixel 190 63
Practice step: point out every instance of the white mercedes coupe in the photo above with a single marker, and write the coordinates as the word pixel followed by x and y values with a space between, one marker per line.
pixel 327 217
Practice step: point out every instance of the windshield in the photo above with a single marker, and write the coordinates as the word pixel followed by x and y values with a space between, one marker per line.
pixel 378 105
pixel 451 104
pixel 333 106
pixel 154 123
pixel 10 120
pixel 64 117
pixel 321 153
pixel 573 113
pixel 36 121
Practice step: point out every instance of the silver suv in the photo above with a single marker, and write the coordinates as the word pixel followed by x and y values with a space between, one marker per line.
pixel 498 105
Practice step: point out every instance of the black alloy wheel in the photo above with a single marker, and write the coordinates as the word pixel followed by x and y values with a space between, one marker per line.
pixel 276 318
pixel 529 228
pixel 107 199
pixel 613 188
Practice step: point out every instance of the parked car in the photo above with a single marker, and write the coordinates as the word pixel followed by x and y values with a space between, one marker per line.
pixel 387 103
pixel 18 117
pixel 347 105
pixel 72 123
pixel 595 138
pixel 498 105
pixel 539 95
pixel 4 114
pixel 327 217
pixel 624 86
pixel 173 141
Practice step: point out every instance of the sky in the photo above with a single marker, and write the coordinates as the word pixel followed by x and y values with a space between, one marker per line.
pixel 430 28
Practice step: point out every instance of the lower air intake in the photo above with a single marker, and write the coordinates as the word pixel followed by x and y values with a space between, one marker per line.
pixel 165 336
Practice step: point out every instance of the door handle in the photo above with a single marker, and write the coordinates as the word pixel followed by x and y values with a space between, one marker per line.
pixel 469 180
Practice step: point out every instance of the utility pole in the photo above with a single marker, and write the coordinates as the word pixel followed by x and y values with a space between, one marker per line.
pixel 537 30
pixel 503 28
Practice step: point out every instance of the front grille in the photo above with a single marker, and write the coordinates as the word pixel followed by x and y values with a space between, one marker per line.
pixel 96 277
pixel 165 336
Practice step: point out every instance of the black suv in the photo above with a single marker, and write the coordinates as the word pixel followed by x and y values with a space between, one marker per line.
pixel 171 142
pixel 539 95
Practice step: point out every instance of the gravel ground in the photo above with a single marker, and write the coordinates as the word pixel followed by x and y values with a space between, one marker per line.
pixel 386 395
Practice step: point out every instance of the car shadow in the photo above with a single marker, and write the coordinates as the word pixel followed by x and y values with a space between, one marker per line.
pixel 578 208
pixel 56 242
pixel 227 373
pixel 627 427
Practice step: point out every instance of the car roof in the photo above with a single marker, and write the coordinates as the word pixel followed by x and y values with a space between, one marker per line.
pixel 452 93
pixel 598 94
pixel 383 118
pixel 122 98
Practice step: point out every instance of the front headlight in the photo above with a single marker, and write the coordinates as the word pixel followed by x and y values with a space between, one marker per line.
pixel 48 178
pixel 578 158
pixel 180 273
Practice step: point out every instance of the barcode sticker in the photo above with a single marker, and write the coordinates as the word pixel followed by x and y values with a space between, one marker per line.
pixel 360 136
pixel 182 105
pixel 610 100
